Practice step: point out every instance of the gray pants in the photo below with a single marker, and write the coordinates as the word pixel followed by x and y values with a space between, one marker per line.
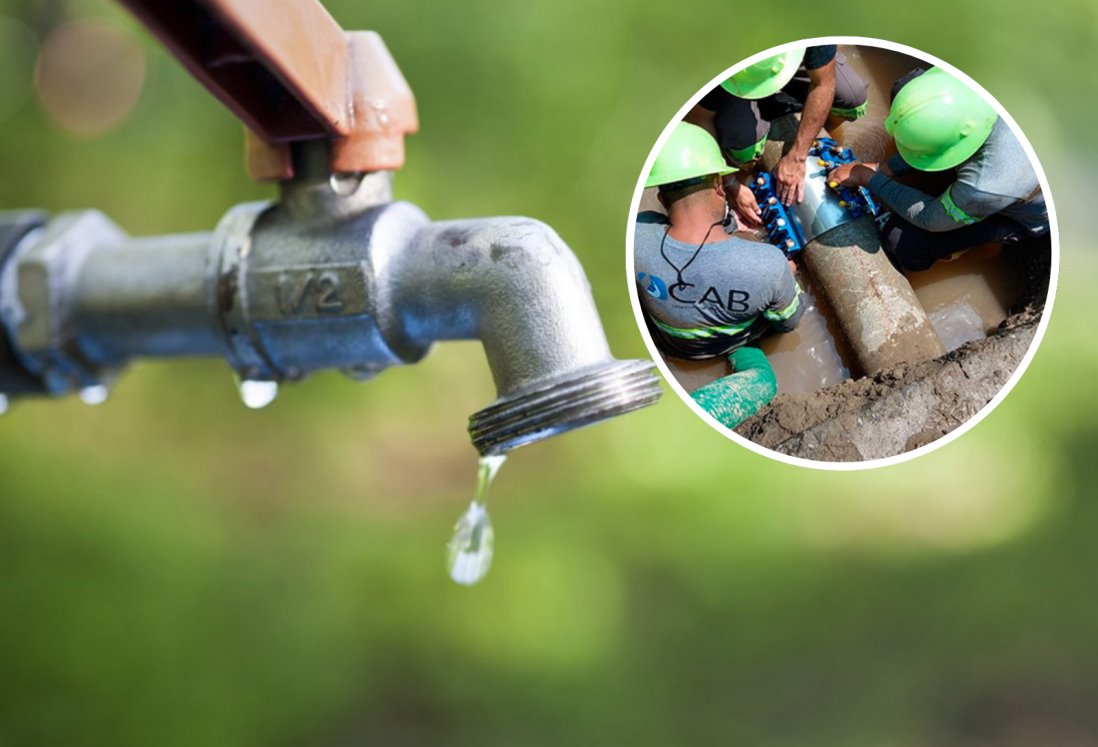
pixel 743 124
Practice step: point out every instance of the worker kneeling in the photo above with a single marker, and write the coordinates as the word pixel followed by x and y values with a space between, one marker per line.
pixel 815 81
pixel 940 124
pixel 704 293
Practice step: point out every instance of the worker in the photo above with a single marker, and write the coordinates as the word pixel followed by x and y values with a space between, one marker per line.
pixel 815 81
pixel 704 292
pixel 941 124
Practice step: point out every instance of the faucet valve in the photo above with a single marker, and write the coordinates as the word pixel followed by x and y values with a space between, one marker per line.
pixel 291 74
pixel 335 274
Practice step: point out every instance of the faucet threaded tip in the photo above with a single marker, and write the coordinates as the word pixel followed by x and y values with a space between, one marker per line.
pixel 577 399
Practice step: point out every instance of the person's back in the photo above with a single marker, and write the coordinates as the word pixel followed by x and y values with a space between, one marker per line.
pixel 1001 169
pixel 998 179
pixel 706 301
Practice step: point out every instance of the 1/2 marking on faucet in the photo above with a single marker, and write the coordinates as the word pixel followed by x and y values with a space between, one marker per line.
pixel 306 292
pixel 329 301
pixel 292 288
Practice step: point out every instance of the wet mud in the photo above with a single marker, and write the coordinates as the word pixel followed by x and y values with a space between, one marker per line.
pixel 897 410
pixel 913 405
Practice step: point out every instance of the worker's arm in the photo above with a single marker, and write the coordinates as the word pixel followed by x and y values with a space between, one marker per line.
pixel 896 166
pixel 743 203
pixel 785 308
pixel 856 173
pixel 821 94
pixel 960 205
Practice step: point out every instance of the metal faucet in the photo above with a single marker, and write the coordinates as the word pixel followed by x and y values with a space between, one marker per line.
pixel 335 274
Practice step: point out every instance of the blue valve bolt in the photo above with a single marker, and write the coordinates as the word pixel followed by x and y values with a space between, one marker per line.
pixel 782 228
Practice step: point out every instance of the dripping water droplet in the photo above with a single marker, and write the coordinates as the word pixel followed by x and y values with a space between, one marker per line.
pixel 469 552
pixel 94 395
pixel 345 184
pixel 470 549
pixel 257 394
pixel 381 111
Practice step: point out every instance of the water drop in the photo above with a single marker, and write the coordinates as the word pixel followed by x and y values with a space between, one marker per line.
pixel 94 395
pixel 257 394
pixel 469 552
pixel 487 468
pixel 345 184
pixel 3 403
pixel 470 549
pixel 381 111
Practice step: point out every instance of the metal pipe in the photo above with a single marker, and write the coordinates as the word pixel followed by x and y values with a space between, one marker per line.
pixel 820 210
pixel 16 227
pixel 874 305
pixel 146 297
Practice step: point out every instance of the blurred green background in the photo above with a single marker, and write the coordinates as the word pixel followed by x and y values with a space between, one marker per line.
pixel 177 570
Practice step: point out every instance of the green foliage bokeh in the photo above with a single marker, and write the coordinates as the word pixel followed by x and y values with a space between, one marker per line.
pixel 176 570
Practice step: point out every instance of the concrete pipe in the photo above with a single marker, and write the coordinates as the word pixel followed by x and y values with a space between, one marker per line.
pixel 874 305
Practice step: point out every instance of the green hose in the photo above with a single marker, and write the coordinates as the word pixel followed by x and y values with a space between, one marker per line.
pixel 733 399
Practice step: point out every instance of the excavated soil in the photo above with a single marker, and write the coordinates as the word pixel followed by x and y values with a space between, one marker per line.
pixel 908 406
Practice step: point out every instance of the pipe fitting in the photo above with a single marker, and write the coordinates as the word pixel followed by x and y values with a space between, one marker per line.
pixel 38 304
pixel 16 228
pixel 820 210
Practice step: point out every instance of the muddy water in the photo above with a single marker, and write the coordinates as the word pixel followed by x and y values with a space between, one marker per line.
pixel 965 298
pixel 813 355
pixel 880 68
pixel 968 297
pixel 804 360
pixel 695 374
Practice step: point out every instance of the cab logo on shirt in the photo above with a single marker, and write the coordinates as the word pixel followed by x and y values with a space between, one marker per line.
pixel 736 300
pixel 653 285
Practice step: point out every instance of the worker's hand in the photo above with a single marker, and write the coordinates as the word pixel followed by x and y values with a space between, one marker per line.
pixel 745 207
pixel 789 178
pixel 851 175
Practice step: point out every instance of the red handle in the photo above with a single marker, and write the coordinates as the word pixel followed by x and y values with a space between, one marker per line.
pixel 289 72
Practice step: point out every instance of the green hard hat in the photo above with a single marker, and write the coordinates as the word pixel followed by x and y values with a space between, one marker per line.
pixel 766 76
pixel 938 121
pixel 689 152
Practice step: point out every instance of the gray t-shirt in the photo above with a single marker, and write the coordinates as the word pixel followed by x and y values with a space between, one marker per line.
pixel 997 180
pixel 735 290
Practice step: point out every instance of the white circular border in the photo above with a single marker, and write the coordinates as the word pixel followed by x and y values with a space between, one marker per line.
pixel 634 297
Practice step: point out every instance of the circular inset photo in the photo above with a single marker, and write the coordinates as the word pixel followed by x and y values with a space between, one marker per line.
pixel 842 252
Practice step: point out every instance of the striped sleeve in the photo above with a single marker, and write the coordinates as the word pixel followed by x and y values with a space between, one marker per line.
pixel 785 310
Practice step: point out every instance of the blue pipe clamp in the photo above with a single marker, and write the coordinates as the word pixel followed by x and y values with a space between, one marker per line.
pixel 786 226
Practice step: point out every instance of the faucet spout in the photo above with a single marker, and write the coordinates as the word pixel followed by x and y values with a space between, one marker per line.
pixel 513 284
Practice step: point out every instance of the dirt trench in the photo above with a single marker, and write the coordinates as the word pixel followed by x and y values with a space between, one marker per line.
pixel 895 411
pixel 910 405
